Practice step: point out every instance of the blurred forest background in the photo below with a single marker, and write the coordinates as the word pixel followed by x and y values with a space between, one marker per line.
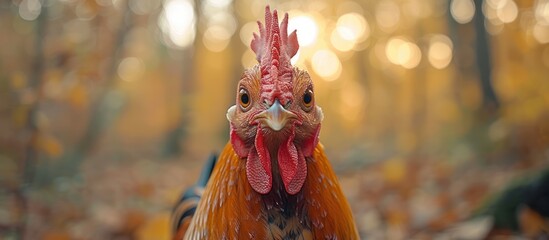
pixel 108 108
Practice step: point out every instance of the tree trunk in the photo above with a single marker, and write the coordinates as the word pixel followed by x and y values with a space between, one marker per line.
pixel 489 98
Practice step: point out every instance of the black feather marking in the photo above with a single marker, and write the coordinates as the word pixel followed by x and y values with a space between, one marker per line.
pixel 186 206
pixel 207 170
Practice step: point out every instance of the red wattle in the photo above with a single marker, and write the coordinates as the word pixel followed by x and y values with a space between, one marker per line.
pixel 291 163
pixel 258 166
pixel 309 144
pixel 238 145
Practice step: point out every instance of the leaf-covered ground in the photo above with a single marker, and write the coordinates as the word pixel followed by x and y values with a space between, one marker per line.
pixel 392 199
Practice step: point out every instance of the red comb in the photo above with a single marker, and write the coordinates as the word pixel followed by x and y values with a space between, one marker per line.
pixel 274 49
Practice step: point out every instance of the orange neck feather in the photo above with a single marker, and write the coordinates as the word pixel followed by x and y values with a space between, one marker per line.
pixel 231 209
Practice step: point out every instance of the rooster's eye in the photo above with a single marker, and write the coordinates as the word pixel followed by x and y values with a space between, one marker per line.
pixel 244 99
pixel 308 100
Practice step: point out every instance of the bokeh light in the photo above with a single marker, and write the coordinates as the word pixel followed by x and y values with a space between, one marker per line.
pixel 130 69
pixel 306 27
pixel 415 57
pixel 401 52
pixel 177 22
pixel 351 28
pixel 326 64
pixel 507 10
pixel 541 33
pixel 493 22
pixel 216 38
pixel 493 28
pixel 440 51
pixel 246 32
pixel 462 11
pixel 387 15
pixel 30 9
pixel 220 24
pixel 341 43
pixel 489 9
pixel 542 11
pixel 418 8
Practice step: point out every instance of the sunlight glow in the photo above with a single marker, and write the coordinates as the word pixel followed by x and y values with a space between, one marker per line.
pixel 177 22
pixel 307 29
pixel 326 64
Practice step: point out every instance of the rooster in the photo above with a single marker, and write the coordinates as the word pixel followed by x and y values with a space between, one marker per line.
pixel 272 180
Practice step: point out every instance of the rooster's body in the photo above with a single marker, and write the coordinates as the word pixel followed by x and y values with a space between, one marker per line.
pixel 273 180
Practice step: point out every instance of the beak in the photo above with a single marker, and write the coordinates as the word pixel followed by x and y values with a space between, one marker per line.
pixel 276 116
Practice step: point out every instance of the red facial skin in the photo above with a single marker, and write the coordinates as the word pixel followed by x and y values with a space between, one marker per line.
pixel 267 151
pixel 275 80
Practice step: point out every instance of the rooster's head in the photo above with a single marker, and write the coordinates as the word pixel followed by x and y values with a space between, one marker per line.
pixel 275 123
